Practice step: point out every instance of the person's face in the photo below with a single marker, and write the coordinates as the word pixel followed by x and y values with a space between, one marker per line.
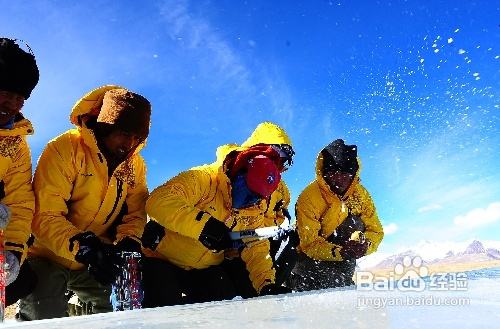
pixel 118 144
pixel 338 181
pixel 10 105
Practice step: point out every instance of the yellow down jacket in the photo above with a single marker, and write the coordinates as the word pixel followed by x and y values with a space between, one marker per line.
pixel 185 203
pixel 15 184
pixel 319 212
pixel 74 193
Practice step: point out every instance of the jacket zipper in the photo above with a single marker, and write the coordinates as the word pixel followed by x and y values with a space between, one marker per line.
pixel 118 197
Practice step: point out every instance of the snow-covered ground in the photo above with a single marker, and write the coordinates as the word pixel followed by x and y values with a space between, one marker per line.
pixel 318 309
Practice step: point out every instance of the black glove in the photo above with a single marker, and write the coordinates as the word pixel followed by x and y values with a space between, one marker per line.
pixel 107 268
pixel 153 234
pixel 128 244
pixel 89 243
pixel 101 259
pixel 354 249
pixel 215 235
pixel 273 289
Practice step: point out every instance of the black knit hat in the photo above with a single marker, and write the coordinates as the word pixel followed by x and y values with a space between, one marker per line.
pixel 18 69
pixel 126 110
pixel 340 157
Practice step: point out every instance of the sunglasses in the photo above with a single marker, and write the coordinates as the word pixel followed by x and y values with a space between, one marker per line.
pixel 286 153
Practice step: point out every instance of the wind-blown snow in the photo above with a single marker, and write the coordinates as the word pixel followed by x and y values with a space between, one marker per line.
pixel 319 309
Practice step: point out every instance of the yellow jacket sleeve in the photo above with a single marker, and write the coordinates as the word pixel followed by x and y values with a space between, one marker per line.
pixel 373 228
pixel 173 205
pixel 256 253
pixel 309 228
pixel 285 203
pixel 259 263
pixel 52 185
pixel 20 199
pixel 134 220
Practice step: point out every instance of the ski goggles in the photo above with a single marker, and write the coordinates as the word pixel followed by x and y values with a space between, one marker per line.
pixel 286 153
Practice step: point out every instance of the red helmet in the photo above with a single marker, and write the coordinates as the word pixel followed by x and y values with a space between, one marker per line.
pixel 263 176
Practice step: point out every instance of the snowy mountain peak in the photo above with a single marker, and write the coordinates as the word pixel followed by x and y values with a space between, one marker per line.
pixel 493 253
pixel 476 247
pixel 432 254
pixel 396 259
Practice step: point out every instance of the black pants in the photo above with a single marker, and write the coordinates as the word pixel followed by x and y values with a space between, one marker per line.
pixel 24 284
pixel 311 274
pixel 284 255
pixel 166 284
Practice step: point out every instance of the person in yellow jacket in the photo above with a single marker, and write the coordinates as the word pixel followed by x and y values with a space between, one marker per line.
pixel 18 77
pixel 283 247
pixel 336 221
pixel 192 214
pixel 90 188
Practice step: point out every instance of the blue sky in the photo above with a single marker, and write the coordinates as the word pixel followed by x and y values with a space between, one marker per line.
pixel 415 85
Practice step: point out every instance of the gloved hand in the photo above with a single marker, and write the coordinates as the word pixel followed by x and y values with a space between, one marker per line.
pixel 4 216
pixel 90 245
pixel 354 249
pixel 107 268
pixel 128 244
pixel 12 266
pixel 153 234
pixel 215 235
pixel 273 289
pixel 101 259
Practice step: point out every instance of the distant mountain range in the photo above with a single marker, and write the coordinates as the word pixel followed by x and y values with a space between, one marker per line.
pixel 475 254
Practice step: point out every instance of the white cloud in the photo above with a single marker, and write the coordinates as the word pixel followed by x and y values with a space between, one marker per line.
pixel 390 229
pixel 479 216
pixel 221 63
pixel 279 95
pixel 430 250
pixel 197 34
pixel 491 244
pixel 430 207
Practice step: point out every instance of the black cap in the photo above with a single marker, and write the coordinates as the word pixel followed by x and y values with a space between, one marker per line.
pixel 18 69
pixel 340 157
